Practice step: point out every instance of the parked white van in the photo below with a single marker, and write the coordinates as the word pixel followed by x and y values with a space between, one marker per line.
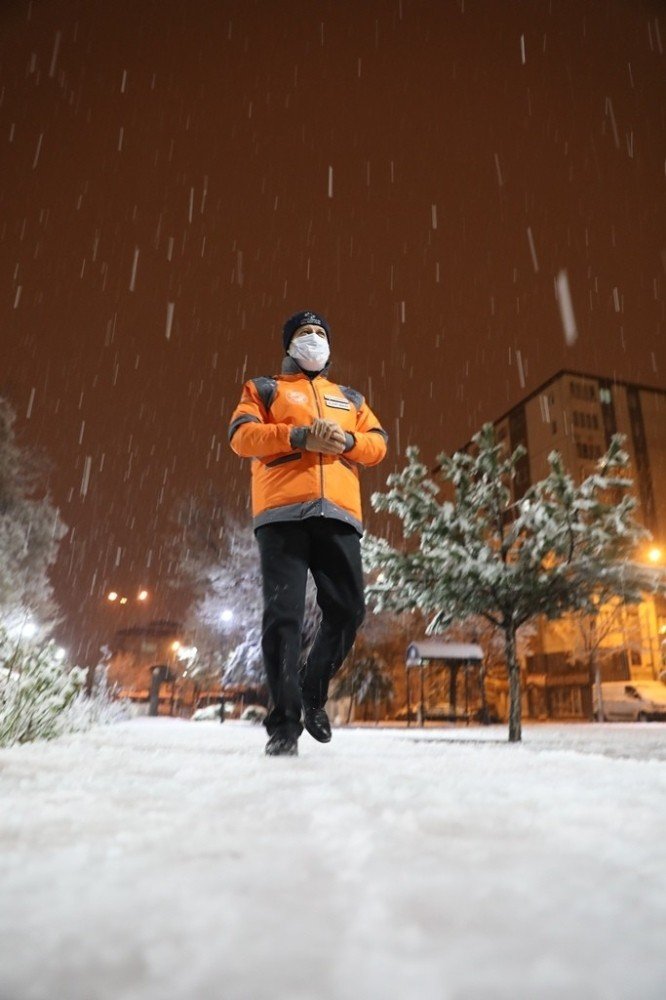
pixel 631 701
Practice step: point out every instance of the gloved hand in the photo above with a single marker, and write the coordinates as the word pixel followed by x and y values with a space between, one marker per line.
pixel 325 436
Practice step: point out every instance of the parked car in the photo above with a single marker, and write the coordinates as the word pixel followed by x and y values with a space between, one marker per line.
pixel 211 713
pixel 254 713
pixel 631 701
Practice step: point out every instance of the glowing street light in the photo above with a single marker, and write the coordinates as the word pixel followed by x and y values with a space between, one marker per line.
pixel 26 629
pixel 114 597
pixel 187 653
pixel 227 615
pixel 655 554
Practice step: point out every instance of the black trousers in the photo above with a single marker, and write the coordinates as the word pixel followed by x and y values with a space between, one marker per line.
pixel 331 551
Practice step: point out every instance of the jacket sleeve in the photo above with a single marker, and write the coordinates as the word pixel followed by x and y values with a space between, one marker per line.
pixel 251 435
pixel 369 438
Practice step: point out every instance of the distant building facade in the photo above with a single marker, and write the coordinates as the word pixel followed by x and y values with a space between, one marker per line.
pixel 140 653
pixel 136 652
pixel 576 414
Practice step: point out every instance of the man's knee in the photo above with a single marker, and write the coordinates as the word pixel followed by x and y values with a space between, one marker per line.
pixel 347 615
pixel 359 614
pixel 354 615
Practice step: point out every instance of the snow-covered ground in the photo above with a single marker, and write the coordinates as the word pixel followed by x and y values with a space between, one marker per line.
pixel 169 860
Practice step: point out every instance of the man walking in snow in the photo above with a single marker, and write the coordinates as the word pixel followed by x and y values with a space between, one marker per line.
pixel 307 437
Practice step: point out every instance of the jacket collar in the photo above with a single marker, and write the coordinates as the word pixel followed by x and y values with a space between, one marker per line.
pixel 292 367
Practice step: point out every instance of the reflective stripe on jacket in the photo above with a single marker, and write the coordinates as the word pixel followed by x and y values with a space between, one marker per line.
pixel 288 482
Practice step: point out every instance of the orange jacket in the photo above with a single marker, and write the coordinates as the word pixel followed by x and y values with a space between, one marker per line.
pixel 269 425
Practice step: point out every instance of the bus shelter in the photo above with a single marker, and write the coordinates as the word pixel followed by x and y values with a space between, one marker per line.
pixel 454 656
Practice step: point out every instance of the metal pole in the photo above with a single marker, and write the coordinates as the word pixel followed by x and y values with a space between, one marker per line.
pixel 466 669
pixel 155 684
pixel 409 702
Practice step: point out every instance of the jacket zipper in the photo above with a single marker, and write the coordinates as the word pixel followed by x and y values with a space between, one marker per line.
pixel 321 460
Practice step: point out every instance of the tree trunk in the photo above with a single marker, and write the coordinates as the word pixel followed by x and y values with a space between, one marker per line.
pixel 515 708
pixel 595 670
pixel 351 707
pixel 157 676
pixel 485 715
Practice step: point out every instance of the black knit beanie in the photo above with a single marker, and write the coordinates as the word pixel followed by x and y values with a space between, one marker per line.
pixel 300 319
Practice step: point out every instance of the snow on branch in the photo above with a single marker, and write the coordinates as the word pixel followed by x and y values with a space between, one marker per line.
pixel 502 556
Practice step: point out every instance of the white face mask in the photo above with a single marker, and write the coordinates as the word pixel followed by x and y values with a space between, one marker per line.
pixel 311 351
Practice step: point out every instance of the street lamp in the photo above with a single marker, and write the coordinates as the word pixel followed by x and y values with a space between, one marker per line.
pixel 114 597
pixel 185 652
pixel 26 629
pixel 227 615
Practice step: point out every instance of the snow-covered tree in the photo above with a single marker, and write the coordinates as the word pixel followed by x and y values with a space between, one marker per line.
pixel 590 635
pixel 364 679
pixel 478 630
pixel 378 652
pixel 218 558
pixel 245 664
pixel 483 553
pixel 41 697
pixel 30 531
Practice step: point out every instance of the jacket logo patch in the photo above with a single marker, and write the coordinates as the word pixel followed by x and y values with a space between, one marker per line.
pixel 337 403
pixel 294 396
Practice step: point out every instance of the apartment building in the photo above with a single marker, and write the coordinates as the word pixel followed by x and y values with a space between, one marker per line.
pixel 576 414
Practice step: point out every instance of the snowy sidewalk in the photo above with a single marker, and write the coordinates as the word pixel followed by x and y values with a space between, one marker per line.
pixel 168 860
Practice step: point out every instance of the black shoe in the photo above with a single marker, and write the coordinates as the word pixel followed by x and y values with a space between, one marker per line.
pixel 317 724
pixel 282 745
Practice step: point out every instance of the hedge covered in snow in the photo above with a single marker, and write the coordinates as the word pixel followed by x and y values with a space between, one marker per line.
pixel 41 698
